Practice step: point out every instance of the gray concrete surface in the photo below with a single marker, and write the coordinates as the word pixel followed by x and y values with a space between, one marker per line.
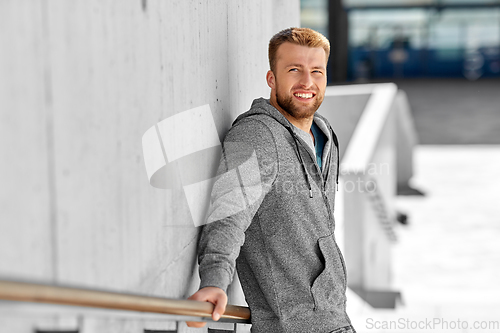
pixel 455 111
pixel 81 82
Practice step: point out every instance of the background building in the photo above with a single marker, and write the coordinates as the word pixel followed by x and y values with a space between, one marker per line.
pixel 410 39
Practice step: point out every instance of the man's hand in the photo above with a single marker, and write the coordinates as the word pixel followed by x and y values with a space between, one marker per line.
pixel 214 295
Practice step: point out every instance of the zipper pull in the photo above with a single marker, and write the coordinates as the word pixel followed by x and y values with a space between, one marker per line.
pixel 310 193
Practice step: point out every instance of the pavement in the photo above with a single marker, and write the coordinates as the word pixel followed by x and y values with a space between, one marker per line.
pixel 447 260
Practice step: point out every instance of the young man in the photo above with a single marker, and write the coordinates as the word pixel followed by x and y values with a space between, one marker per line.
pixel 272 205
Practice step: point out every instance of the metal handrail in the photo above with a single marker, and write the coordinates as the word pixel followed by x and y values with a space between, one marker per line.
pixel 41 293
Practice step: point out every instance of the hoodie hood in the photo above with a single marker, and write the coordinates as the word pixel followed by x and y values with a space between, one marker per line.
pixel 262 106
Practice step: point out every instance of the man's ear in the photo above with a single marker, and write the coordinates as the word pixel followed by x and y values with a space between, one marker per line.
pixel 271 80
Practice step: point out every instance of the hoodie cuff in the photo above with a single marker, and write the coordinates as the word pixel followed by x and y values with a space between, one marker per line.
pixel 215 277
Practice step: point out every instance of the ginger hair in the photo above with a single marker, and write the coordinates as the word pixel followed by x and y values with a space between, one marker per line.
pixel 298 36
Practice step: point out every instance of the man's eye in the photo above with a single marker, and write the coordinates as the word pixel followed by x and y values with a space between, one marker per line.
pixel 293 70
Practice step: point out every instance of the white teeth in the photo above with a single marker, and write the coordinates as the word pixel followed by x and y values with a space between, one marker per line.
pixel 308 95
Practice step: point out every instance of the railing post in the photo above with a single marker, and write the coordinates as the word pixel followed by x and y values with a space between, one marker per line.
pixel 354 209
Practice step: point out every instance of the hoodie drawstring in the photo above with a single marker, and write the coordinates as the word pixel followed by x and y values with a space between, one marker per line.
pixel 336 143
pixel 301 162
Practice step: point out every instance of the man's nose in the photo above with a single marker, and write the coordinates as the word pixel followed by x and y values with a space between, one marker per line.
pixel 306 80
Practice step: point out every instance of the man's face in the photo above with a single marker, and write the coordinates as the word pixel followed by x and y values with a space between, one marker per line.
pixel 298 82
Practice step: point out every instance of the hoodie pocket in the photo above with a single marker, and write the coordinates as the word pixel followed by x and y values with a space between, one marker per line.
pixel 328 289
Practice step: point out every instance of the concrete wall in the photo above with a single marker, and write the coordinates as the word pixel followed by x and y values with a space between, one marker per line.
pixel 80 83
pixel 376 136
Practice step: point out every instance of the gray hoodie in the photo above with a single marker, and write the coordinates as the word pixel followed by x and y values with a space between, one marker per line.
pixel 271 217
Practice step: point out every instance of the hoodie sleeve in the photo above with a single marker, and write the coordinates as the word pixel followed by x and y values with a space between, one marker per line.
pixel 247 170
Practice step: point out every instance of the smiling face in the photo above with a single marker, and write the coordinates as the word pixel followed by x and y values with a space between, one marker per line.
pixel 298 82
